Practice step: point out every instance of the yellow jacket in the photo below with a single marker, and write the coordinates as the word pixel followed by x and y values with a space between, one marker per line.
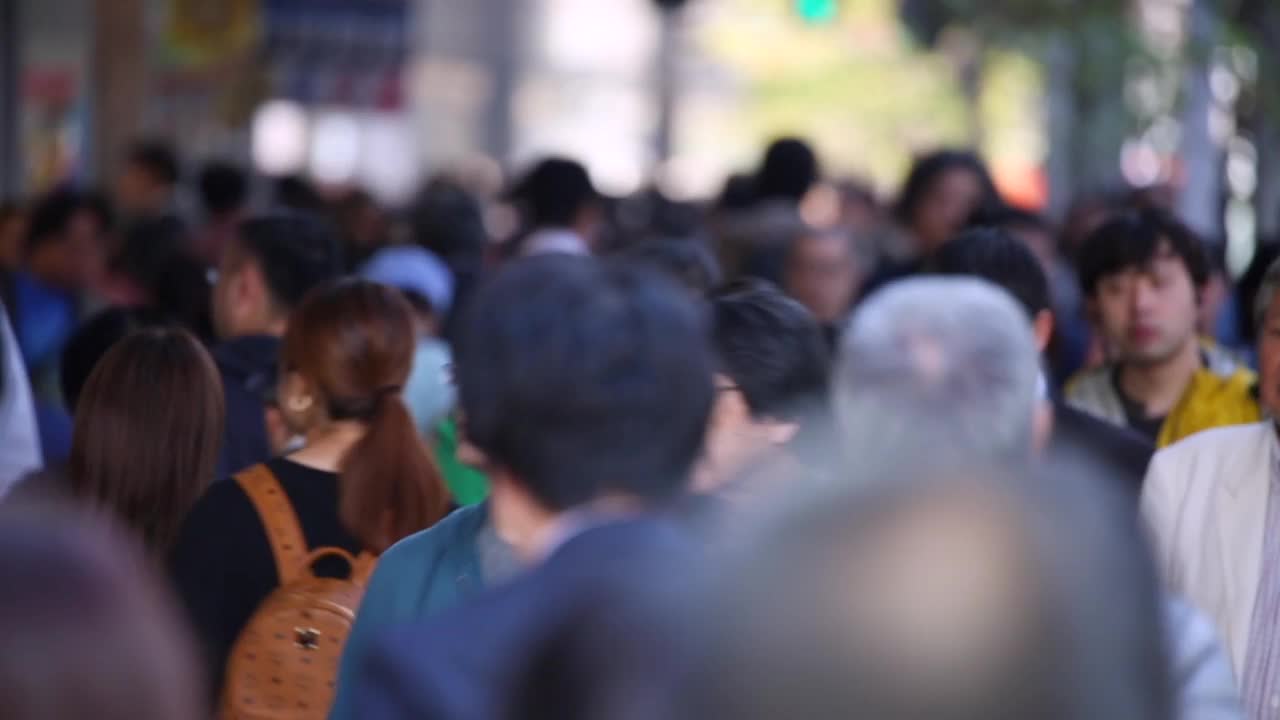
pixel 1216 396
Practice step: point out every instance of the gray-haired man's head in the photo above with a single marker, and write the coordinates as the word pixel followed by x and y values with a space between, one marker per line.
pixel 937 366
pixel 1266 319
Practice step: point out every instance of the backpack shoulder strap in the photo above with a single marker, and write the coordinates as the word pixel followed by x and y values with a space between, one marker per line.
pixel 288 545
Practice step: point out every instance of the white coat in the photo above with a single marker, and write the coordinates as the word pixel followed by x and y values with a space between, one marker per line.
pixel 1205 502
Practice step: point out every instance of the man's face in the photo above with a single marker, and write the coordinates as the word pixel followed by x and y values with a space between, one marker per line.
pixel 75 260
pixel 12 231
pixel 1269 359
pixel 86 248
pixel 823 276
pixel 136 189
pixel 1148 313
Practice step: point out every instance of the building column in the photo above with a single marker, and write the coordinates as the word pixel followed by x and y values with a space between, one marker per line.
pixel 10 72
pixel 119 80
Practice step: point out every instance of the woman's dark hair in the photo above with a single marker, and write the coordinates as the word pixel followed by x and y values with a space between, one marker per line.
pixel 88 632
pixel 354 342
pixel 90 343
pixel 1133 239
pixel 929 168
pixel 148 429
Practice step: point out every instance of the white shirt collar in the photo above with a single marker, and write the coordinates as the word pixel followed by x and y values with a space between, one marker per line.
pixel 555 240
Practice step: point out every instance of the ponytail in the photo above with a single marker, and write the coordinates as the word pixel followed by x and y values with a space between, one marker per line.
pixel 390 485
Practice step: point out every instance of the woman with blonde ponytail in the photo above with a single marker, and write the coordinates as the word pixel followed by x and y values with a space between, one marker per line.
pixel 362 480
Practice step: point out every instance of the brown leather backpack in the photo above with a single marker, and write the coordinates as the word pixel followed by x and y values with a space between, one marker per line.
pixel 285 662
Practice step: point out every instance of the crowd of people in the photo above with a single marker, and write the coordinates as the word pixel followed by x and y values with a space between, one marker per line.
pixel 271 450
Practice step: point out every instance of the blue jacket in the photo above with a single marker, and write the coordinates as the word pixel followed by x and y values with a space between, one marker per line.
pixel 416 579
pixel 465 663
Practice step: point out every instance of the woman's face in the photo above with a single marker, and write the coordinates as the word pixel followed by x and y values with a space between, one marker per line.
pixel 945 206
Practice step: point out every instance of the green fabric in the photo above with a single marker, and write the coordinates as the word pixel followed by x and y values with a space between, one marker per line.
pixel 417 578
pixel 467 485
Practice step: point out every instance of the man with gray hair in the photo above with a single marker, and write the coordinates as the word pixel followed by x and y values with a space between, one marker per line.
pixel 948 364
pixel 945 371
pixel 1212 502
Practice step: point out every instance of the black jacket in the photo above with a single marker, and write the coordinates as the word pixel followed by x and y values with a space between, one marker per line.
pixel 249 366
pixel 1121 454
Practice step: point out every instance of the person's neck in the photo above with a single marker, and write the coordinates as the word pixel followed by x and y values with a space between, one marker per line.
pixel 157 203
pixel 518 519
pixel 269 328
pixel 533 530
pixel 43 271
pixel 228 218
pixel 328 444
pixel 1158 386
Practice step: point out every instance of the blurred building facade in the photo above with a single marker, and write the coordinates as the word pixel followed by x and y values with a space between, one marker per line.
pixel 375 92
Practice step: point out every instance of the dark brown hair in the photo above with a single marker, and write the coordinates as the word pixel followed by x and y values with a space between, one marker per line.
pixel 354 342
pixel 147 432
pixel 88 630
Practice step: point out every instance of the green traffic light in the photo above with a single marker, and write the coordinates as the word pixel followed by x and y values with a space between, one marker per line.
pixel 817 11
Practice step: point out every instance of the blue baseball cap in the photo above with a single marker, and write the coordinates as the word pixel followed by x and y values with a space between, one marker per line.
pixel 413 269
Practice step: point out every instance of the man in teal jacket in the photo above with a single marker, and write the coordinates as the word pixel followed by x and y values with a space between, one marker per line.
pixel 586 388
pixel 420 576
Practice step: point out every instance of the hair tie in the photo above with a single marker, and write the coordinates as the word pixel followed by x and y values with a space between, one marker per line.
pixel 363 409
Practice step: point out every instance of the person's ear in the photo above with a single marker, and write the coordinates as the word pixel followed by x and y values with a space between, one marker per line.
pixel 1041 428
pixel 781 433
pixel 1042 327
pixel 297 400
pixel 279 435
pixel 466 452
pixel 251 287
pixel 469 454
pixel 1092 311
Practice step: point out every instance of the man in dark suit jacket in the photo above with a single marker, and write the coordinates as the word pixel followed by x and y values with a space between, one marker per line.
pixel 996 256
pixel 586 388
pixel 272 262
pixel 1124 453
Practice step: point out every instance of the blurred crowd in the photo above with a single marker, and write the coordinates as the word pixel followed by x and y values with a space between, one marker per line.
pixel 519 449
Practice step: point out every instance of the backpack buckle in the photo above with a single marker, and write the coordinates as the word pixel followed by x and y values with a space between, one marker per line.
pixel 307 638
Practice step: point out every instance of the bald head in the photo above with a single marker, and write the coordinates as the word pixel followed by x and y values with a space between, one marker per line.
pixel 949 597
